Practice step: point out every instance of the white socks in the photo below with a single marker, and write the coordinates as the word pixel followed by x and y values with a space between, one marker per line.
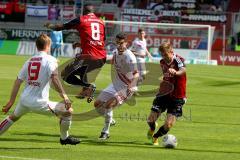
pixel 65 123
pixel 108 120
pixel 5 124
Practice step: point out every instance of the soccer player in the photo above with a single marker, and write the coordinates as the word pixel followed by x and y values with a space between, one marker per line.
pixel 57 41
pixel 174 73
pixel 139 49
pixel 123 85
pixel 37 72
pixel 92 35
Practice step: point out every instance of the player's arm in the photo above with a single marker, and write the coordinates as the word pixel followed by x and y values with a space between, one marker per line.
pixel 58 86
pixel 134 80
pixel 140 54
pixel 180 72
pixel 58 27
pixel 15 89
pixel 53 74
pixel 181 68
pixel 76 44
pixel 133 75
pixel 149 54
pixel 17 84
pixel 55 27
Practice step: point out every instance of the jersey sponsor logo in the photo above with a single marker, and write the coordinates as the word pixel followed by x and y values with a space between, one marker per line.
pixel 32 83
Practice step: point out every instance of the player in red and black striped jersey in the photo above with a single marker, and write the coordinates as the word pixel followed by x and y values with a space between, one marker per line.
pixel 172 92
pixel 92 35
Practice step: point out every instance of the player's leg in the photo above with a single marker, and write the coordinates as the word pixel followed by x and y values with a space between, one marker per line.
pixel 65 116
pixel 104 104
pixel 89 74
pixel 141 69
pixel 58 48
pixel 158 107
pixel 52 51
pixel 106 109
pixel 169 122
pixel 156 110
pixel 110 104
pixel 93 69
pixel 174 109
pixel 72 71
pixel 9 120
pixel 152 118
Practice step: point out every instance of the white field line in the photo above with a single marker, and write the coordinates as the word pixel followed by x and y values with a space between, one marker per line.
pixel 23 158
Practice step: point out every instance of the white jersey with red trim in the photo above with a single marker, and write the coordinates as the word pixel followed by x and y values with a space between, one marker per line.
pixel 125 66
pixel 36 72
pixel 139 45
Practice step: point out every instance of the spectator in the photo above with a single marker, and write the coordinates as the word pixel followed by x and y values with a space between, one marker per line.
pixel 57 41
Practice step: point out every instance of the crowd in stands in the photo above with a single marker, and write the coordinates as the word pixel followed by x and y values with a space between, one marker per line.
pixel 185 7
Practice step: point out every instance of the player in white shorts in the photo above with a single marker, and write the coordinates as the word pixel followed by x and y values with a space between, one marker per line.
pixel 37 72
pixel 123 84
pixel 139 49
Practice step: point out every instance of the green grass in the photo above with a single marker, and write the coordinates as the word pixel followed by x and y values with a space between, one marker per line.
pixel 211 134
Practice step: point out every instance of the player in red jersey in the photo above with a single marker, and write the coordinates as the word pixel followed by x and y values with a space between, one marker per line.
pixel 174 86
pixel 92 34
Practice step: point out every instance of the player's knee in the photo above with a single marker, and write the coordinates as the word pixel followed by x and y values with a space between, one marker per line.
pixel 150 119
pixel 111 104
pixel 66 118
pixel 168 124
pixel 97 104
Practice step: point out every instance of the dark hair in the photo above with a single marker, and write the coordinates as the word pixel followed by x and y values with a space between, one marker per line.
pixel 42 42
pixel 121 35
pixel 140 30
pixel 88 8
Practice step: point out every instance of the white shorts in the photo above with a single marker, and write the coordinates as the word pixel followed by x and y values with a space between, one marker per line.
pixel 53 108
pixel 121 95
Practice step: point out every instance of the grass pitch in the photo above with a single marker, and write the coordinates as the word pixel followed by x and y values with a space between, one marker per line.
pixel 209 130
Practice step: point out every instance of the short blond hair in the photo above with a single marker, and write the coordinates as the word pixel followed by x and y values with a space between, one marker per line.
pixel 165 47
pixel 43 41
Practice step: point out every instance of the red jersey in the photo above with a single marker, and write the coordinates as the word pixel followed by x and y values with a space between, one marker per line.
pixel 92 34
pixel 179 82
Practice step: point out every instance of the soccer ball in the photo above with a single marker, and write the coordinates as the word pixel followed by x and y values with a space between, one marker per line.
pixel 169 141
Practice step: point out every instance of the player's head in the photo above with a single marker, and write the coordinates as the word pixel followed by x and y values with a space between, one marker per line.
pixel 43 43
pixel 166 51
pixel 88 8
pixel 141 33
pixel 121 42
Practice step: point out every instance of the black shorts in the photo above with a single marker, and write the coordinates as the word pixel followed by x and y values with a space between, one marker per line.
pixel 77 65
pixel 173 106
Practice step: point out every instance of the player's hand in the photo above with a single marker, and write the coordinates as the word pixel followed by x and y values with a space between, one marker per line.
pixel 150 59
pixel 48 25
pixel 7 107
pixel 78 55
pixel 172 71
pixel 75 45
pixel 70 110
pixel 68 103
pixel 131 90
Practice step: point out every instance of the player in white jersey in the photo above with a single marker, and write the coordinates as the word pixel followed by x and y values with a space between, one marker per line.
pixel 123 84
pixel 37 72
pixel 139 49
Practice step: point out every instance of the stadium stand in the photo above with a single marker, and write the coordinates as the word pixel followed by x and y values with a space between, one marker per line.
pixel 30 15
